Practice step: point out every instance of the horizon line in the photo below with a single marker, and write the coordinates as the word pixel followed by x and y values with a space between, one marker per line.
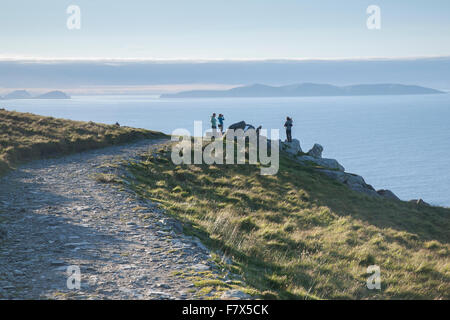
pixel 30 59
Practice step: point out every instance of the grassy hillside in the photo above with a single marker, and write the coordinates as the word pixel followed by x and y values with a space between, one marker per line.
pixel 25 136
pixel 299 234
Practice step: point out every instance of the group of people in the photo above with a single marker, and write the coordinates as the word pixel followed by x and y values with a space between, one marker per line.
pixel 221 119
pixel 288 125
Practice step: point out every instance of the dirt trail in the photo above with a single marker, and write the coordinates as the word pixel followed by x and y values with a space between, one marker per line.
pixel 57 215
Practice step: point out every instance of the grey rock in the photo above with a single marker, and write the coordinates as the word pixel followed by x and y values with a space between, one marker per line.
pixel 76 244
pixel 323 162
pixel 143 278
pixel 177 226
pixel 292 148
pixel 353 181
pixel 182 294
pixel 200 245
pixel 420 202
pixel 388 194
pixel 173 224
pixel 4 203
pixel 316 151
pixel 157 293
pixel 235 295
pixel 3 233
pixel 237 125
pixel 63 268
pixel 200 267
pixel 18 272
pixel 249 127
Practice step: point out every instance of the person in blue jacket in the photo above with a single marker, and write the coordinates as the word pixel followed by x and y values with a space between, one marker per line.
pixel 213 122
pixel 221 119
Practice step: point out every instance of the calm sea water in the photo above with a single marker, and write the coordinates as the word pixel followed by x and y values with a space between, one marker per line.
pixel 400 143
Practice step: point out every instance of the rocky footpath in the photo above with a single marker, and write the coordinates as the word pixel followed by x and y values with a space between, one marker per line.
pixel 55 214
pixel 333 169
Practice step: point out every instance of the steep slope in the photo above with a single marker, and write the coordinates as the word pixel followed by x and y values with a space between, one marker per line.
pixel 300 234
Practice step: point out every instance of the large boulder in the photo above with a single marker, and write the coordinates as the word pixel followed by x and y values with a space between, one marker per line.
pixel 420 203
pixel 353 181
pixel 249 127
pixel 323 162
pixel 388 194
pixel 238 125
pixel 316 151
pixel 292 148
pixel 333 169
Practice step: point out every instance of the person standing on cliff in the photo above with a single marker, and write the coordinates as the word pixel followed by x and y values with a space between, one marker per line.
pixel 288 125
pixel 221 119
pixel 214 123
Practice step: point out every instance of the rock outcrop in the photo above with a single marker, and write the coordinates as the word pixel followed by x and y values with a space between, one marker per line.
pixel 322 162
pixel 333 169
pixel 237 125
pixel 295 151
pixel 419 202
pixel 316 151
pixel 353 181
pixel 293 148
pixel 388 194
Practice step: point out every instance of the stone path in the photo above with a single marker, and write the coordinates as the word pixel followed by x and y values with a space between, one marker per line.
pixel 57 215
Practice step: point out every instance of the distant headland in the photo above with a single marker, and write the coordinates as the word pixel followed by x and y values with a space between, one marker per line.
pixel 306 90
pixel 23 94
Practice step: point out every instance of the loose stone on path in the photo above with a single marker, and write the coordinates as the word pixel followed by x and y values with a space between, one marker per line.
pixel 54 214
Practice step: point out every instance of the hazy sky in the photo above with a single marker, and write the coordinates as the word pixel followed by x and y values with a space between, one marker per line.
pixel 226 29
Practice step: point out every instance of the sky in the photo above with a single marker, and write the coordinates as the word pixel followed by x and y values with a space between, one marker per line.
pixel 223 29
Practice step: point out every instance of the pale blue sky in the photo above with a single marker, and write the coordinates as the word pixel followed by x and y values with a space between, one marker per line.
pixel 228 29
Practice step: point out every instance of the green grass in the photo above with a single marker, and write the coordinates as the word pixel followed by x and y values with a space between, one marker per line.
pixel 25 136
pixel 301 235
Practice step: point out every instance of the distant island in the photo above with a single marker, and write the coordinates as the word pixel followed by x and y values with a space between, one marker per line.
pixel 306 90
pixel 23 94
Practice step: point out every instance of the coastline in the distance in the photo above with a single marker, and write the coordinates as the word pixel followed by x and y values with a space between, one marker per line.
pixel 23 94
pixel 306 90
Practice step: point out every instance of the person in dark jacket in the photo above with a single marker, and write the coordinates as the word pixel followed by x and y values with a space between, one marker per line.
pixel 288 125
